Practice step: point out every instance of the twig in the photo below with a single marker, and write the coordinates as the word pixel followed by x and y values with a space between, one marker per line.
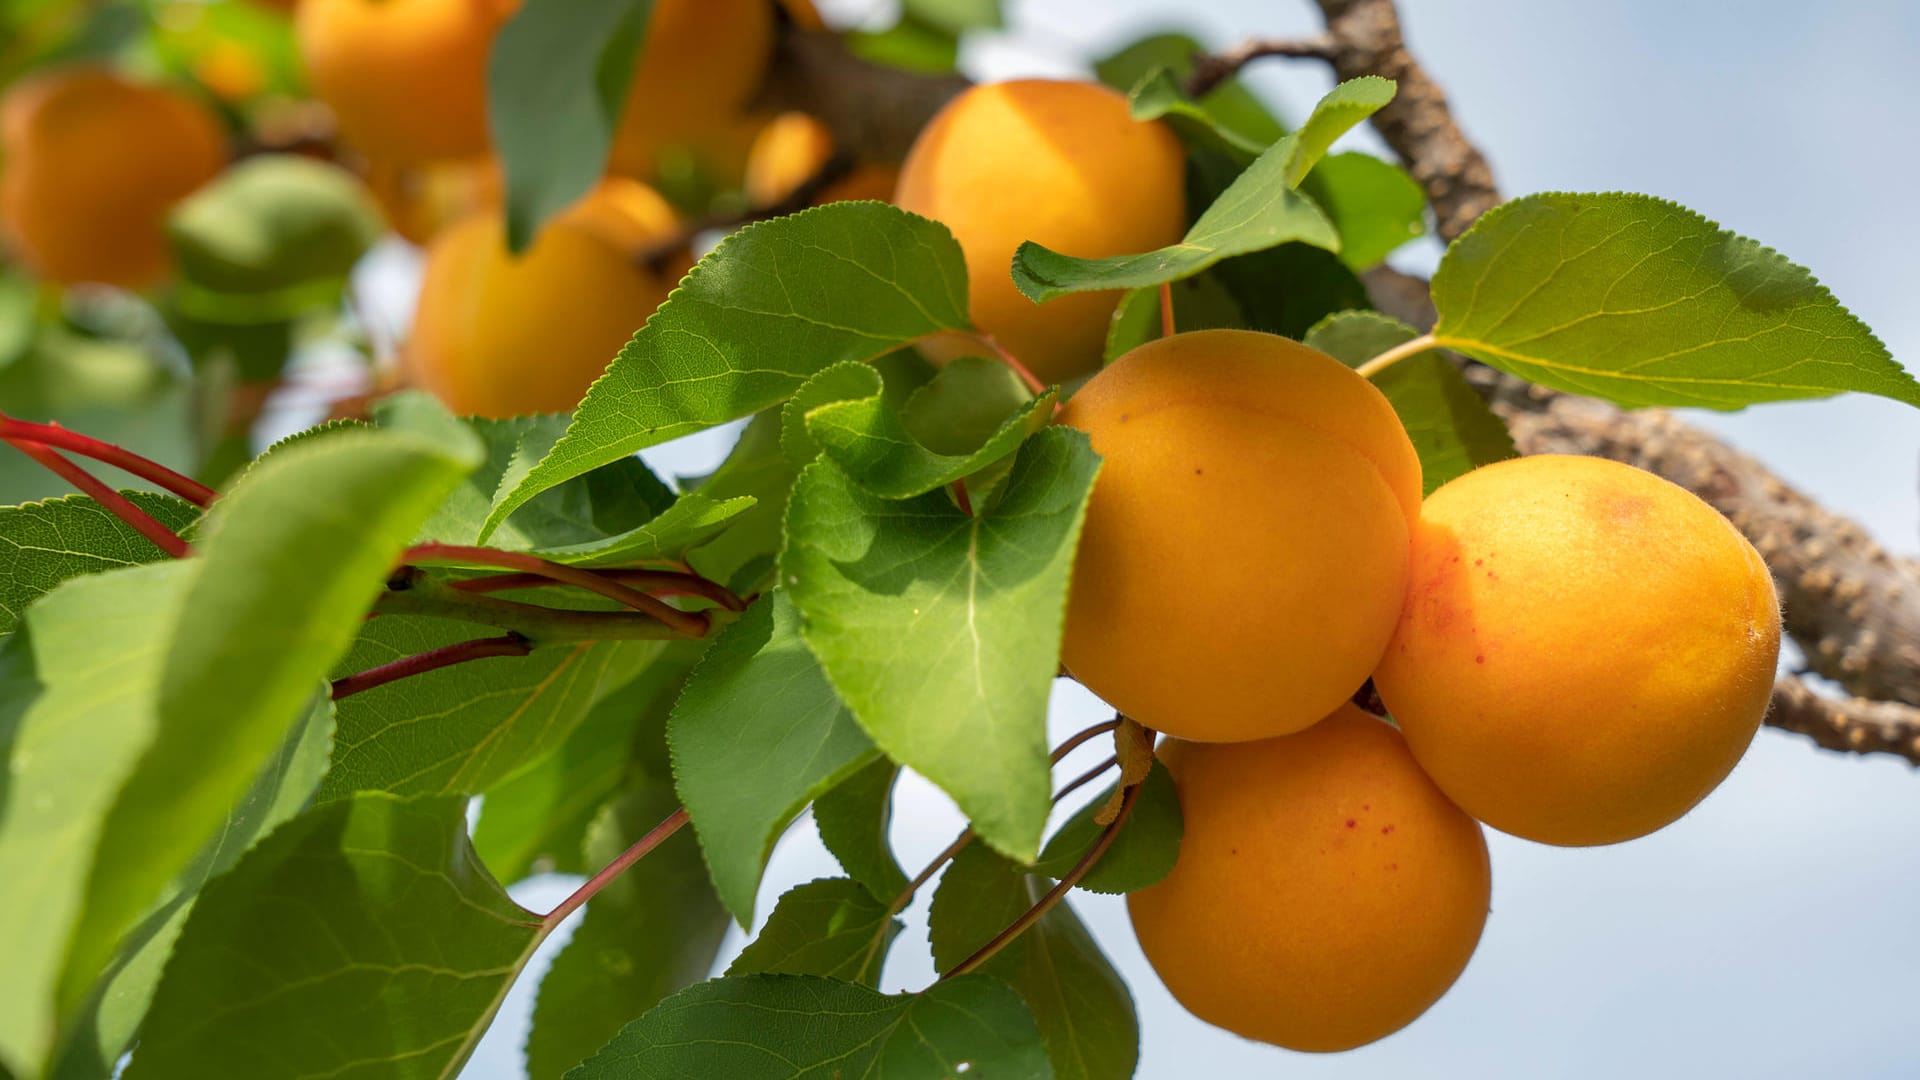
pixel 691 624
pixel 1086 778
pixel 117 504
pixel 410 592
pixel 1075 740
pixel 18 431
pixel 1853 725
pixel 654 582
pixel 654 838
pixel 433 659
pixel 1394 355
pixel 1212 69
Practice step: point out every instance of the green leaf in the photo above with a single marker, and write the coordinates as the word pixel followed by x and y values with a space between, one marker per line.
pixel 742 556
pixel 462 729
pixel 774 303
pixel 966 403
pixel 1142 852
pixel 854 819
pixel 848 379
pixel 372 912
pixel 290 562
pixel 942 631
pixel 1287 289
pixel 955 16
pixel 757 733
pixel 106 1023
pixel 1376 206
pixel 77 682
pixel 270 237
pixel 557 76
pixel 1449 423
pixel 654 930
pixel 1081 1004
pixel 1259 210
pixel 1216 153
pixel 1230 105
pixel 783 1027
pixel 909 44
pixel 45 543
pixel 537 820
pixel 1644 302
pixel 830 927
pixel 870 442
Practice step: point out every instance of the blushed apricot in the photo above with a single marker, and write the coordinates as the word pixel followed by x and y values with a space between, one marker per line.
pixel 91 164
pixel 1245 550
pixel 498 336
pixel 1586 649
pixel 1326 893
pixel 406 79
pixel 699 67
pixel 1059 163
pixel 791 149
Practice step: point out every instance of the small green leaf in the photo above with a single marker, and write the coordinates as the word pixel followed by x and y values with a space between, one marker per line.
pixel 267 231
pixel 774 303
pixel 942 631
pixel 1643 302
pixel 854 819
pixel 289 563
pixel 830 927
pixel 552 121
pixel 1376 206
pixel 1259 210
pixel 372 911
pixel 654 930
pixel 1448 422
pixel 779 1027
pixel 1229 105
pixel 1142 852
pixel 757 733
pixel 956 16
pixel 45 543
pixel 848 379
pixel 1081 1004
pixel 967 402
pixel 742 556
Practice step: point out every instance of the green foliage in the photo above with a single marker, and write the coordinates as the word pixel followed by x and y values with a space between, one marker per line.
pixel 45 543
pixel 830 927
pixel 420 944
pixel 774 303
pixel 553 121
pixel 756 735
pixel 777 1027
pixel 270 226
pixel 942 631
pixel 1143 851
pixel 854 819
pixel 1449 423
pixel 1375 206
pixel 1643 302
pixel 1080 1003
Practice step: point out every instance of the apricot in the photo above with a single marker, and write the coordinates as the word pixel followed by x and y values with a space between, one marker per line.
pixel 494 335
pixel 1326 892
pixel 791 149
pixel 701 64
pixel 422 198
pixel 1586 649
pixel 406 79
pixel 1059 163
pixel 1244 556
pixel 92 163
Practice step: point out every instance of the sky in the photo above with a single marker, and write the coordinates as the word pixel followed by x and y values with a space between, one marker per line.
pixel 1774 931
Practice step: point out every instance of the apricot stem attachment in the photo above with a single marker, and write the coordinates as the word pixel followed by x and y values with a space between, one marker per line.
pixel 1394 355
pixel 1167 328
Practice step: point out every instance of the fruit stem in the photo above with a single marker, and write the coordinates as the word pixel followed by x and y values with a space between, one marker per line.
pixel 1060 889
pixel 654 838
pixel 654 582
pixel 433 659
pixel 18 431
pixel 1086 778
pixel 1074 741
pixel 1166 309
pixel 686 623
pixel 119 505
pixel 1026 374
pixel 412 593
pixel 1394 355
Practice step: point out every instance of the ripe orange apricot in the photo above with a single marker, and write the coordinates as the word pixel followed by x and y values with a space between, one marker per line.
pixel 1586 650
pixel 1326 893
pixel 790 149
pixel 1059 163
pixel 499 336
pixel 1245 549
pixel 699 67
pixel 92 163
pixel 406 79
pixel 422 198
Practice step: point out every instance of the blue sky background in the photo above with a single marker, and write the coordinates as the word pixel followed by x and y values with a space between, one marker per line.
pixel 1774 932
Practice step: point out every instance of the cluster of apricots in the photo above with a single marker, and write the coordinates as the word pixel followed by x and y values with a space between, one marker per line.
pixel 1257 548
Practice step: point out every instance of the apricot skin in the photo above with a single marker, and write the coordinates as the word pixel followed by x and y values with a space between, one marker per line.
pixel 1326 892
pixel 700 65
pixel 1244 556
pixel 92 164
pixel 1586 649
pixel 1059 163
pixel 406 79
pixel 498 336
pixel 791 149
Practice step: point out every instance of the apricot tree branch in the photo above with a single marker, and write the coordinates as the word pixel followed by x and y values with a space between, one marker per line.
pixel 1212 69
pixel 1854 725
pixel 115 503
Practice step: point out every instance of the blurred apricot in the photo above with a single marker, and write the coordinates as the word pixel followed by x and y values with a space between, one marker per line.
pixel 699 67
pixel 90 162
pixel 791 149
pixel 421 199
